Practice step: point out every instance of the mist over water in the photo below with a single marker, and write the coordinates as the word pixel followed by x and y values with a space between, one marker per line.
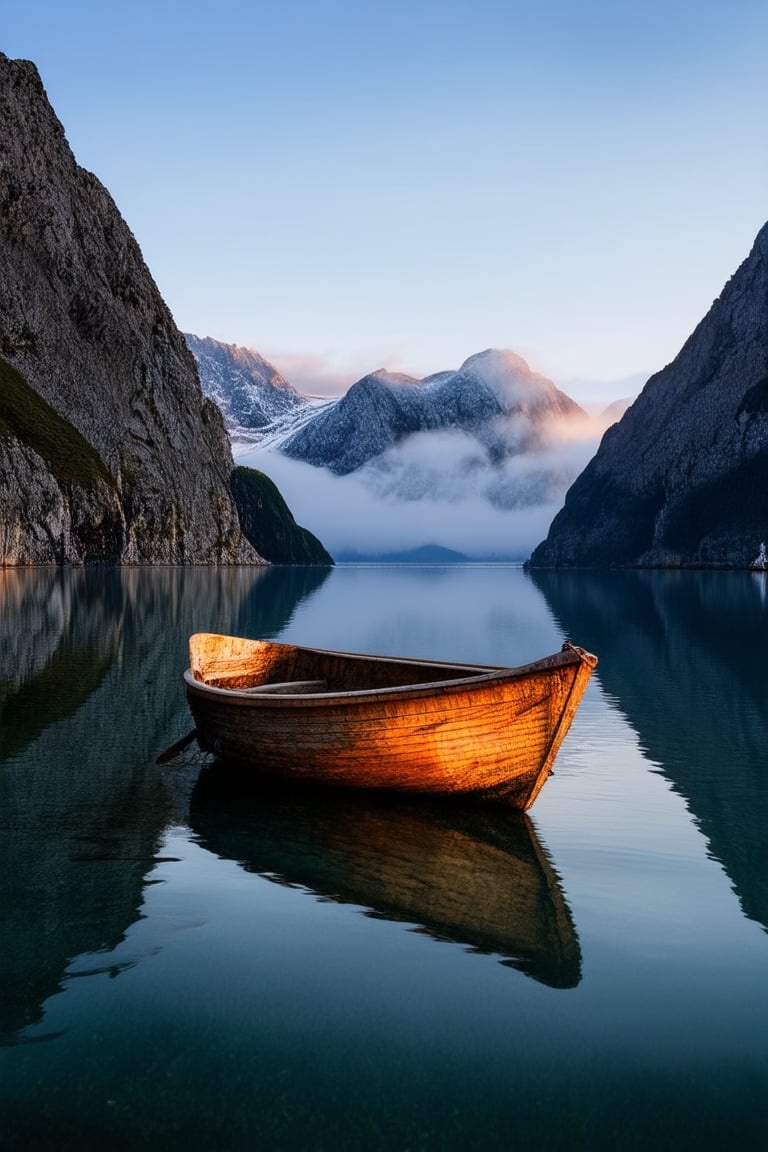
pixel 440 487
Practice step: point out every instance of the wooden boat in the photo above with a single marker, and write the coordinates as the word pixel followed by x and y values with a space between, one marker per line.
pixel 384 722
pixel 462 873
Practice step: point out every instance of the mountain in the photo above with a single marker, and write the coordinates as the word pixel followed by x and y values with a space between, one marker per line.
pixel 614 412
pixel 494 397
pixel 109 450
pixel 268 522
pixel 681 480
pixel 476 460
pixel 250 392
pixel 425 554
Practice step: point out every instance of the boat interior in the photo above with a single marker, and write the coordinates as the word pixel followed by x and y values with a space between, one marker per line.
pixel 261 666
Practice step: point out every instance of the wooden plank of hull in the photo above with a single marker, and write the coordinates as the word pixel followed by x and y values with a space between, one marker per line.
pixel 491 732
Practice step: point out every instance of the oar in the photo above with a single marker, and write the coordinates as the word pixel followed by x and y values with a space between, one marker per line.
pixel 174 749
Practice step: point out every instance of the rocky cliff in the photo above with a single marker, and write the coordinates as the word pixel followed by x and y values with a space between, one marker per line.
pixel 108 449
pixel 682 479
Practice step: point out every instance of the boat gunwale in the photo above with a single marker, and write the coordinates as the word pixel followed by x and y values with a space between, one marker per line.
pixel 483 674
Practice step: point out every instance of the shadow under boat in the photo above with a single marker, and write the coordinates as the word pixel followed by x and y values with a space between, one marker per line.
pixel 470 875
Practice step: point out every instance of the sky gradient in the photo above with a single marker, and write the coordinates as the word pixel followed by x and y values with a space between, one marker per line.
pixel 345 185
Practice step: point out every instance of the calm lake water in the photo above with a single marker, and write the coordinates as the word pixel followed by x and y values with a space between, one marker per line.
pixel 184 967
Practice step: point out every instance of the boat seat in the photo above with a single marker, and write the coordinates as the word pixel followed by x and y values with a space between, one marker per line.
pixel 289 687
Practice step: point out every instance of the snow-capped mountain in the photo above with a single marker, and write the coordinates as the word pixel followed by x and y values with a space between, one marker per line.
pixel 250 392
pixel 494 398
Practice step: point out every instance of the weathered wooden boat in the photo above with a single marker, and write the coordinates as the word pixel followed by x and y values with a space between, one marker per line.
pixel 462 873
pixel 384 722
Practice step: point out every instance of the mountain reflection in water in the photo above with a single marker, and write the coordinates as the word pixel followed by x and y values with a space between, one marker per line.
pixel 90 691
pixel 470 875
pixel 684 655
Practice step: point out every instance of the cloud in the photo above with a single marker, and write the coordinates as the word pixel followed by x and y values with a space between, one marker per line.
pixel 437 488
pixel 348 516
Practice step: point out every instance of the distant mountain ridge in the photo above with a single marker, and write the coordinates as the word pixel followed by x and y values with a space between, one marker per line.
pixel 424 554
pixel 682 479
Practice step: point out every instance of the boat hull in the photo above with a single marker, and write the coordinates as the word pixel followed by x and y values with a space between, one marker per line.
pixel 484 732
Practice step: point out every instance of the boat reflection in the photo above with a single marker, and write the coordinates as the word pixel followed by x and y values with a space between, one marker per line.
pixel 458 873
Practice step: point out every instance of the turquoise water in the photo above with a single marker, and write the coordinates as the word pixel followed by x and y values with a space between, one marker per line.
pixel 184 966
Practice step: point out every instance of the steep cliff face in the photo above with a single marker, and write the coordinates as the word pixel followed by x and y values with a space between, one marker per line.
pixel 682 478
pixel 58 503
pixel 84 326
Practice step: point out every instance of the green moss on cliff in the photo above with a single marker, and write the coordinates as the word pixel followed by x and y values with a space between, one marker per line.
pixel 267 522
pixel 25 416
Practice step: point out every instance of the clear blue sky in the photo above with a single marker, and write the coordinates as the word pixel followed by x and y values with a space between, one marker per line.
pixel 356 183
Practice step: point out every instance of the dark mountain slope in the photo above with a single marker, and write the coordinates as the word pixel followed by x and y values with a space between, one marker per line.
pixel 268 522
pixel 682 479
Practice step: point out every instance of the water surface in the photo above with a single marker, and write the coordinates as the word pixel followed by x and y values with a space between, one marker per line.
pixel 187 966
